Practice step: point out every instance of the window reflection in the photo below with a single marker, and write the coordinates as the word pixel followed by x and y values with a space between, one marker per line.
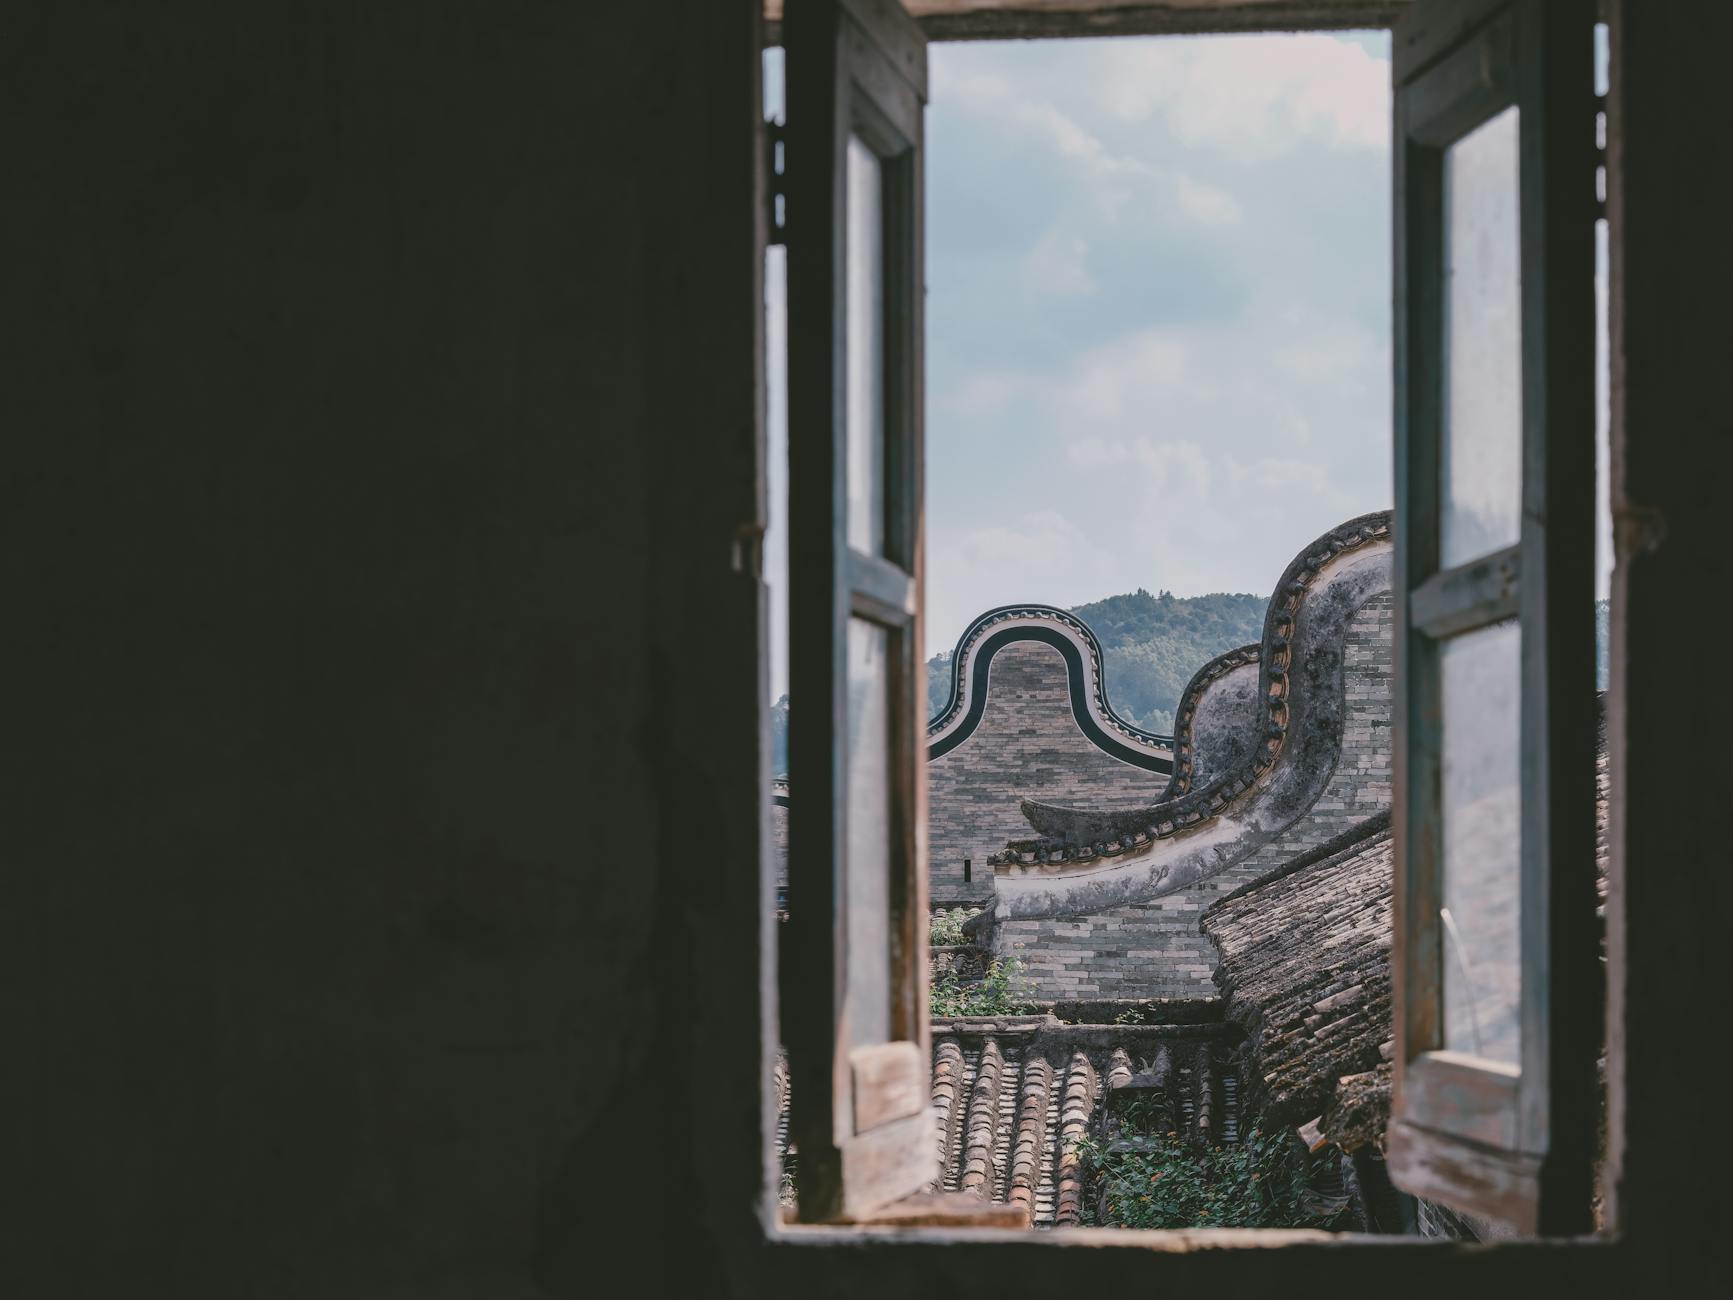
pixel 869 842
pixel 866 434
pixel 1480 807
pixel 1481 451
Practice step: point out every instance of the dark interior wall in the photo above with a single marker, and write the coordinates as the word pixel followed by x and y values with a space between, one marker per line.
pixel 379 413
pixel 379 794
pixel 1672 464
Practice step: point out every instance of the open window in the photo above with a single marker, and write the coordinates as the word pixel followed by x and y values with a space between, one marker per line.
pixel 853 1005
pixel 1496 1021
pixel 1496 1025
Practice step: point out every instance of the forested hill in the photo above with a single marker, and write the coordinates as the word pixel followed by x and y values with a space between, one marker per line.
pixel 1152 644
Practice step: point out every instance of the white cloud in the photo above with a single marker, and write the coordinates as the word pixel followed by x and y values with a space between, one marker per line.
pixel 1325 350
pixel 982 393
pixel 1197 406
pixel 993 96
pixel 1036 554
pixel 1205 204
pixel 1039 122
pixel 1059 265
pixel 1253 97
pixel 1110 383
pixel 1144 463
pixel 1270 474
pixel 1090 452
pixel 1197 457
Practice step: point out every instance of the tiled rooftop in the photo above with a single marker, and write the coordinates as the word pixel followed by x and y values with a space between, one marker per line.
pixel 1011 1096
pixel 1305 971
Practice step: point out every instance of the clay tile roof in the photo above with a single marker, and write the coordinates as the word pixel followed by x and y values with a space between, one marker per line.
pixel 1305 968
pixel 1013 1094
pixel 1013 1097
pixel 1305 972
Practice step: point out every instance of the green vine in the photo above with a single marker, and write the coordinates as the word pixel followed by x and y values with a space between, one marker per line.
pixel 1002 991
pixel 947 925
pixel 1153 1178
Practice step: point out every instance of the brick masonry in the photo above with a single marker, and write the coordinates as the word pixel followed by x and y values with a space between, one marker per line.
pixel 1155 949
pixel 1027 746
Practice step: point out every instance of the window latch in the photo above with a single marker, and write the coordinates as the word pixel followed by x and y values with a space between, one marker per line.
pixel 1600 157
pixel 776 171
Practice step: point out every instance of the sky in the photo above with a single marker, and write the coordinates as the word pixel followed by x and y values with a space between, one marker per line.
pixel 1158 315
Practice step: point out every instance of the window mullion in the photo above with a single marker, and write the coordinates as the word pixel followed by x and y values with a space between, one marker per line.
pixel 1471 595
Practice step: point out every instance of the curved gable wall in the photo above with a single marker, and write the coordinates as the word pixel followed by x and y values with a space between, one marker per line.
pixel 1025 742
pixel 1156 948
pixel 1028 717
pixel 1071 637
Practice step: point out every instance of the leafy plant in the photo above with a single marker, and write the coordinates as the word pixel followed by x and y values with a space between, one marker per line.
pixel 947 925
pixel 1153 1178
pixel 1136 1014
pixel 1002 991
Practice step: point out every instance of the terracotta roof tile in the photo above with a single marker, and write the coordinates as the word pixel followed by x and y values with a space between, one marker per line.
pixel 1305 972
pixel 1013 1094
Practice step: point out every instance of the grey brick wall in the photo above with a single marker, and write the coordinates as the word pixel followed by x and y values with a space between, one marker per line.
pixel 1155 949
pixel 1028 745
pixel 1146 950
pixel 1361 785
pixel 779 842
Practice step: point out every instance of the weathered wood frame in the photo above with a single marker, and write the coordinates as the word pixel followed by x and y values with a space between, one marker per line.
pixel 1001 20
pixel 1553 1188
pixel 1516 1146
pixel 859 1117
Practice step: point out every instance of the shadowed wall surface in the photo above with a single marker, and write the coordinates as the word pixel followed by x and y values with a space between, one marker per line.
pixel 377 844
pixel 355 365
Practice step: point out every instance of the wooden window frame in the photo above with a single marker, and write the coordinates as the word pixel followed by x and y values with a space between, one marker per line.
pixel 1455 595
pixel 860 1115
pixel 1515 1146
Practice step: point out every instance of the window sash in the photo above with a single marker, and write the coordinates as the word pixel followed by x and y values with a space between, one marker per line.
pixel 1513 1144
pixel 859 1100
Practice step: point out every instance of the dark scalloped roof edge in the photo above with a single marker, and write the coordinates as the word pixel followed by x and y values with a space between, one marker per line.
pixel 976 638
pixel 1186 712
pixel 1079 835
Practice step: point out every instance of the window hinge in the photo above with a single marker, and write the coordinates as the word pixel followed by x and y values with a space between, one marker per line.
pixel 1600 157
pixel 776 171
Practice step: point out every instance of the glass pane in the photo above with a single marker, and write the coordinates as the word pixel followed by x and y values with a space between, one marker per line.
pixel 865 380
pixel 1480 693
pixel 868 860
pixel 1481 504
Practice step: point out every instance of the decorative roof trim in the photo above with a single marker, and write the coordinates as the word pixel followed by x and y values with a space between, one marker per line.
pixel 1085 669
pixel 1135 831
pixel 1186 714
